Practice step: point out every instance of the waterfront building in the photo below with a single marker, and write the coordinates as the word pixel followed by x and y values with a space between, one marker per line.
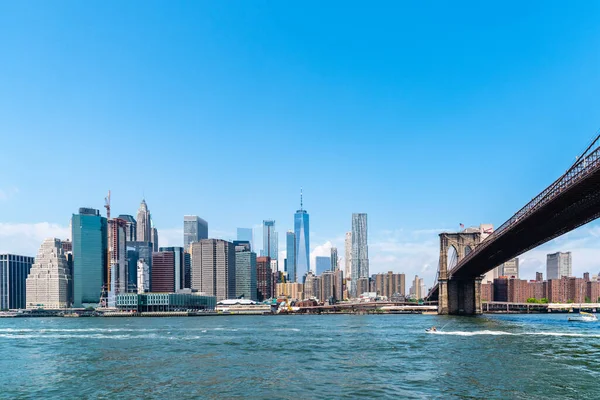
pixel 245 271
pixel 417 288
pixel 131 227
pixel 264 278
pixel 214 268
pixel 90 248
pixel 47 285
pixel 593 291
pixel 246 235
pixel 290 261
pixel 360 251
pixel 322 264
pixel 194 230
pixel 334 259
pixel 136 252
pixel 511 268
pixel 178 267
pixel 558 265
pixel 348 255
pixel 162 276
pixel 154 238
pixel 13 276
pixel 302 233
pixel 143 276
pixel 165 302
pixel 487 291
pixel 144 230
pixel 117 279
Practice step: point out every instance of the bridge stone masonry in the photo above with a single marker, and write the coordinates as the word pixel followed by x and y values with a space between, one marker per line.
pixel 568 203
pixel 458 296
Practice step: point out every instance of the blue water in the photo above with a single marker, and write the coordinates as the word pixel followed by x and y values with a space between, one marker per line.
pixel 300 357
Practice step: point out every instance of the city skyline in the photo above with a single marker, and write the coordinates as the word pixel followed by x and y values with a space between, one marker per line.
pixel 390 111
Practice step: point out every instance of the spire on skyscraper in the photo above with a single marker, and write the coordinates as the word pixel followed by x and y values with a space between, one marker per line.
pixel 300 197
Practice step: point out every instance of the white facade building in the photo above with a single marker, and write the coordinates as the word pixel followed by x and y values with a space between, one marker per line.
pixel 558 265
pixel 143 277
pixel 47 285
pixel 348 255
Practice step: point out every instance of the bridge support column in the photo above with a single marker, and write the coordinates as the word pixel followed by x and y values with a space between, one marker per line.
pixel 443 297
pixel 462 297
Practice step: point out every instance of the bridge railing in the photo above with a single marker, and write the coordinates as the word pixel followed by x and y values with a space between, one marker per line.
pixel 581 168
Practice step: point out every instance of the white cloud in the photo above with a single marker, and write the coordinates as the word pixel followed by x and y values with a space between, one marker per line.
pixel 25 239
pixel 6 194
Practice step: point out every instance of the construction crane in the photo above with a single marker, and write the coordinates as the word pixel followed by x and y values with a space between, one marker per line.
pixel 107 205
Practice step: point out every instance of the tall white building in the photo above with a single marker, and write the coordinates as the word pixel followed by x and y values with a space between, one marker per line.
pixel 143 276
pixel 143 223
pixel 558 265
pixel 348 254
pixel 48 282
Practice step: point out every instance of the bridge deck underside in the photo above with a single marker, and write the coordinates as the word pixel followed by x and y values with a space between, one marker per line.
pixel 575 206
pixel 568 210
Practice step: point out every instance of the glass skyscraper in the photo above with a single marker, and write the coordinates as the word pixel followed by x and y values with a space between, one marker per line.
pixel 270 240
pixel 302 232
pixel 245 270
pixel 194 230
pixel 290 260
pixel 360 251
pixel 13 276
pixel 89 231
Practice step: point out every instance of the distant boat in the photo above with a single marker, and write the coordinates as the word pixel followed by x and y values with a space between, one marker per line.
pixel 583 317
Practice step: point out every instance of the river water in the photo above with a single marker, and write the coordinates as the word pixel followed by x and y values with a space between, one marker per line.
pixel 300 357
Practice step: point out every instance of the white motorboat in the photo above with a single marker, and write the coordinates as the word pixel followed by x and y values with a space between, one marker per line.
pixel 584 317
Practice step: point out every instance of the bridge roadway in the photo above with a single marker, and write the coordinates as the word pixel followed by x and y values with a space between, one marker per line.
pixel 570 202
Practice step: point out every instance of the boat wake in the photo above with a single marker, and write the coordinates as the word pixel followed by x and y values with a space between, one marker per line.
pixel 504 333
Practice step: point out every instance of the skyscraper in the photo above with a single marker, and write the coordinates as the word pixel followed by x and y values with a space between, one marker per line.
pixel 138 252
pixel 322 264
pixel 558 265
pixel 162 276
pixel 178 266
pixel 194 229
pixel 360 250
pixel 348 255
pixel 154 237
pixel 511 268
pixel 131 228
pixel 144 230
pixel 117 279
pixel 90 244
pixel 213 268
pixel 334 259
pixel 247 235
pixel 302 232
pixel 290 261
pixel 264 279
pixel 270 240
pixel 49 278
pixel 13 276
pixel 245 270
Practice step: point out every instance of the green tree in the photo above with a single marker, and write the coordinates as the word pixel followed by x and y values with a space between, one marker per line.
pixel 588 300
pixel 544 300
pixel 532 300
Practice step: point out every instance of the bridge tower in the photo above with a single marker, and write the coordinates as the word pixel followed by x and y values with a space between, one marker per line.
pixel 456 295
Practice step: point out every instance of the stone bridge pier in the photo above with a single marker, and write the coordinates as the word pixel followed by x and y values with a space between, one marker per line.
pixel 458 296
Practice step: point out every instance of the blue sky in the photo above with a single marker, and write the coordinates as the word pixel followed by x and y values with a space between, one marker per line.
pixel 423 115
